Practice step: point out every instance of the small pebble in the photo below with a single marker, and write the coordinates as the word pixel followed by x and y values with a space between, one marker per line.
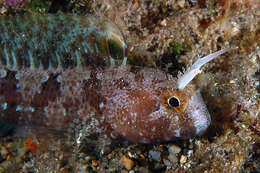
pixel 95 163
pixel 3 10
pixel 143 170
pixel 106 150
pixel 9 156
pixel 164 22
pixel 87 158
pixel 110 156
pixel 156 155
pixel 128 163
pixel 173 158
pixel 124 171
pixel 4 151
pixel 131 155
pixel 183 159
pixel 190 153
pixel 173 149
pixel 187 165
pixel 181 3
pixel 142 156
pixel 166 162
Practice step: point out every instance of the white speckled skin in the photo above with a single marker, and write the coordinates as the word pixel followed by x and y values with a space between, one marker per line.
pixel 198 112
pixel 105 103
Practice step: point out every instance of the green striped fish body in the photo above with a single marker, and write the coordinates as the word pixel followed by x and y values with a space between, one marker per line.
pixel 59 41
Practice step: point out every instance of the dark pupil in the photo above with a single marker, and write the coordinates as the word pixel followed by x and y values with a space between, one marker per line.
pixel 174 102
pixel 115 49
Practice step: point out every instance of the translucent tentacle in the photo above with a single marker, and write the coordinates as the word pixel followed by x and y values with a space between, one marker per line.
pixel 185 79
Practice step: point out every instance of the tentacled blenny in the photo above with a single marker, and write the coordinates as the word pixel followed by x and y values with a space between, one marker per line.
pixel 51 80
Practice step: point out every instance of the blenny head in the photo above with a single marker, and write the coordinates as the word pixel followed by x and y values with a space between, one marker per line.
pixel 148 107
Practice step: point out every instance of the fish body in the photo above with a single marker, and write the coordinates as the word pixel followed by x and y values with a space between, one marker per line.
pixel 59 41
pixel 110 103
pixel 94 93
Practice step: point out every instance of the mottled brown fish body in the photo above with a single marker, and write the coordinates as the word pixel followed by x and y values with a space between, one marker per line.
pixel 108 103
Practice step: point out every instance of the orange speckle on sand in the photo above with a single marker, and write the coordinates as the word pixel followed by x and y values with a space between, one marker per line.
pixel 227 164
pixel 31 145
pixel 95 163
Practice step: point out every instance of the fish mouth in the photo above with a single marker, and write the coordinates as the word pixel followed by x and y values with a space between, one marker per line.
pixel 197 111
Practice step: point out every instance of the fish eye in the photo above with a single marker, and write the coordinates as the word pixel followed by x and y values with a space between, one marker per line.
pixel 116 45
pixel 116 49
pixel 173 102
